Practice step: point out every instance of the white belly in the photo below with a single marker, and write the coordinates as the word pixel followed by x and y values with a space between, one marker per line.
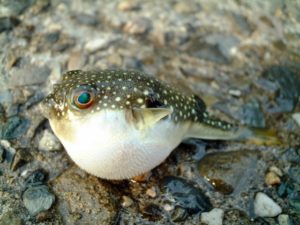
pixel 106 146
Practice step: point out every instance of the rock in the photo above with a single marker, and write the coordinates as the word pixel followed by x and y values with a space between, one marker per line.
pixel 29 75
pixel 152 212
pixel 294 201
pixel 283 219
pixel 84 199
pixel 190 198
pixel 86 19
pixel 151 192
pixel 296 117
pixel 218 48
pixel 230 172
pixel 37 199
pixel 264 206
pixel 22 156
pixel 179 214
pixel 76 60
pixel 284 85
pixel 8 23
pixel 128 5
pixel 252 115
pixel 99 43
pixel 213 217
pixel 14 127
pixel 126 201
pixel 186 7
pixel 138 26
pixel 14 7
pixel 276 170
pixel 1 154
pixel 10 218
pixel 49 142
pixel 9 151
pixel 272 179
pixel 37 177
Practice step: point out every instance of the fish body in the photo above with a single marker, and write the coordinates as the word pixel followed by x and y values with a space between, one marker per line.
pixel 117 124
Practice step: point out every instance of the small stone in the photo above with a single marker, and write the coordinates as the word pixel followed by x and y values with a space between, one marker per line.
pixel 86 19
pixel 151 192
pixel 14 128
pixel 10 218
pixel 126 201
pixel 9 151
pixel 37 199
pixel 283 219
pixel 8 23
pixel 76 60
pixel 264 206
pixel 29 75
pixel 21 157
pixel 128 5
pixel 185 7
pixel 168 207
pixel 276 170
pixel 138 26
pixel 213 217
pixel 296 117
pixel 1 154
pixel 186 195
pixel 49 142
pixel 99 43
pixel 36 178
pixel 235 92
pixel 272 179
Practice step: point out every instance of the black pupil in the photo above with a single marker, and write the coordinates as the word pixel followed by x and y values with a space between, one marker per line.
pixel 84 98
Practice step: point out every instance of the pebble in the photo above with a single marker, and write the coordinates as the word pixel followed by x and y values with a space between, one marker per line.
pixel 10 218
pixel 138 26
pixel 276 170
pixel 235 92
pixel 283 219
pixel 126 201
pixel 230 172
pixel 296 117
pixel 264 206
pixel 97 44
pixel 186 195
pixel 14 127
pixel 76 60
pixel 272 178
pixel 128 5
pixel 213 217
pixel 168 207
pixel 185 7
pixel 22 156
pixel 1 154
pixel 9 151
pixel 49 142
pixel 37 199
pixel 151 192
pixel 8 23
pixel 29 75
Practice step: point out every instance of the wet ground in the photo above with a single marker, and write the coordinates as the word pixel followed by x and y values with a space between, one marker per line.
pixel 241 57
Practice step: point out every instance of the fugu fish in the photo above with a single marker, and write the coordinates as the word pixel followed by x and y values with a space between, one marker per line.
pixel 118 124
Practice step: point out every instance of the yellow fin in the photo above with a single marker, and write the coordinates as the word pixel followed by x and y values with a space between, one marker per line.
pixel 147 117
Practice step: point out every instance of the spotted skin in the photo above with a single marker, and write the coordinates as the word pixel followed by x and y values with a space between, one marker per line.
pixel 120 89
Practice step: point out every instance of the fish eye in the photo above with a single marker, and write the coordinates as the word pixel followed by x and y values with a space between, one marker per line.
pixel 83 99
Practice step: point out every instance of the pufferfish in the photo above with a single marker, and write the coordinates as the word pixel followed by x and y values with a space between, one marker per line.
pixel 117 124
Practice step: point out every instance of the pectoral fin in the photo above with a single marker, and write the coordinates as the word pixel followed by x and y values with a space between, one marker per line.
pixel 148 117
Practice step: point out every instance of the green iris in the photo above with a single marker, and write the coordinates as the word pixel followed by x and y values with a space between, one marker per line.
pixel 84 98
